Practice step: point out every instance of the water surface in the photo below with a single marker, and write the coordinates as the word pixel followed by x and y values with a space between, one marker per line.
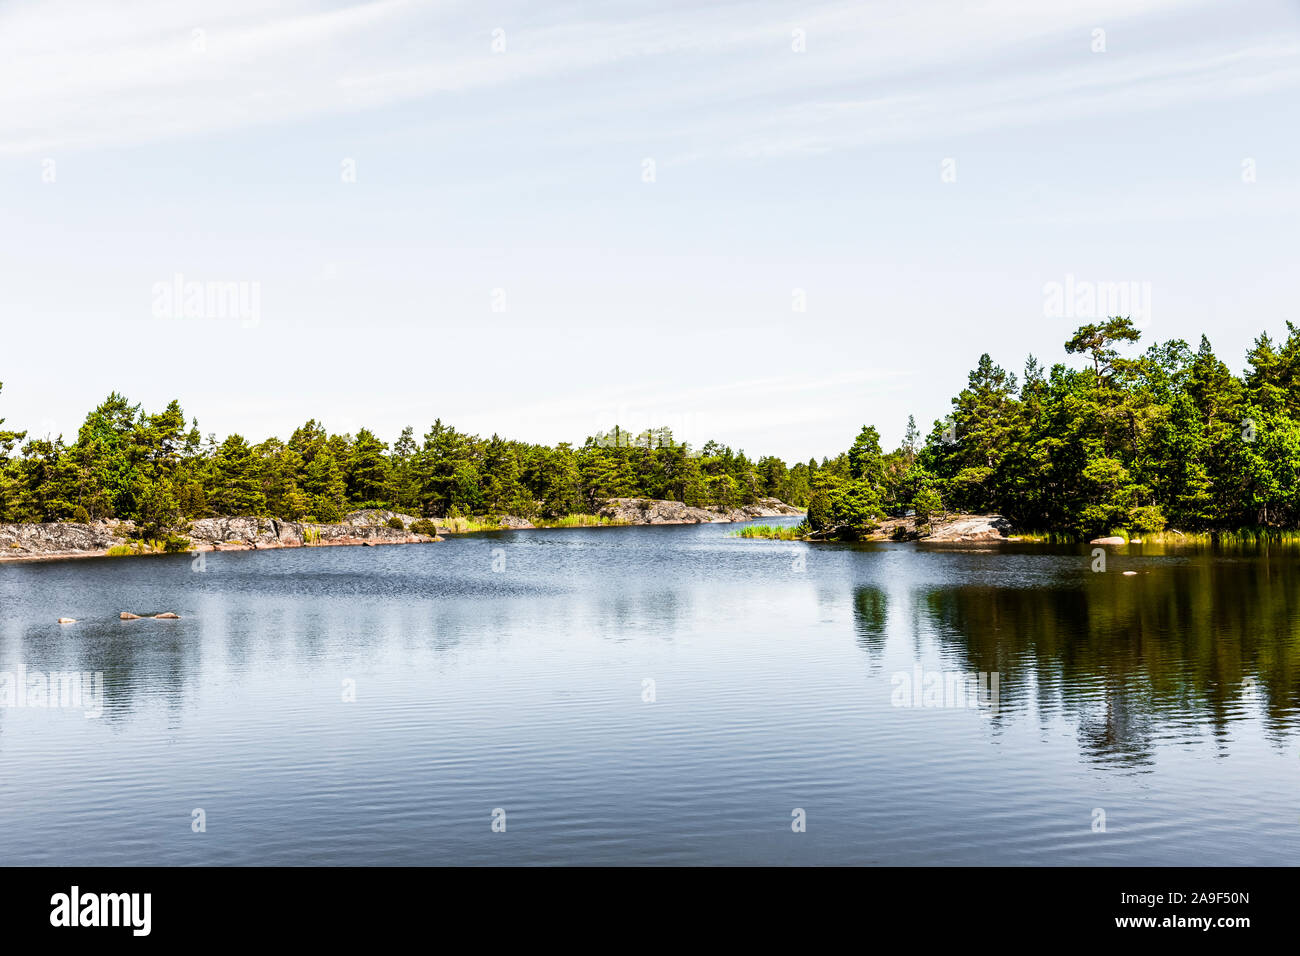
pixel 657 695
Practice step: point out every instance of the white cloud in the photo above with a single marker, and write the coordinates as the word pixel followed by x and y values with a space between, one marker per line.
pixel 79 73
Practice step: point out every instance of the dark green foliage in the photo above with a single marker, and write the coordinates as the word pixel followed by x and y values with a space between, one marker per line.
pixel 237 484
pixel 1169 437
pixel 819 511
pixel 1133 440
pixel 149 468
pixel 926 503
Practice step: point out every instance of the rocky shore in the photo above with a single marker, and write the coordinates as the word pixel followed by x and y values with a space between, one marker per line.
pixel 944 528
pixel 34 542
pixel 70 540
pixel 652 511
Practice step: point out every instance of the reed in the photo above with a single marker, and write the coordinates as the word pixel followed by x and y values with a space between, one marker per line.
pixel 459 525
pixel 774 532
pixel 580 521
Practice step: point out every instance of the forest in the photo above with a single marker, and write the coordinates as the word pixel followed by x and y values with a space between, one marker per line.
pixel 1132 440
pixel 158 471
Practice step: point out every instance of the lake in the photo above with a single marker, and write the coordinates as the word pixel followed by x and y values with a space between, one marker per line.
pixel 657 695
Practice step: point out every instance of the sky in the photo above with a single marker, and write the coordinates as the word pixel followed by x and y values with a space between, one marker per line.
pixel 763 223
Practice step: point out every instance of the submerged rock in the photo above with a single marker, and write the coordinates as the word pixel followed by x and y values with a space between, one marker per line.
pixel 1113 539
pixel 67 620
pixel 128 616
pixel 167 616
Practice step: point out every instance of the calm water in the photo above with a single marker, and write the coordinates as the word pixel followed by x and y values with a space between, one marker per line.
pixel 510 671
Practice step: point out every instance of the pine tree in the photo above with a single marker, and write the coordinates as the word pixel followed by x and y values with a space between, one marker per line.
pixel 237 486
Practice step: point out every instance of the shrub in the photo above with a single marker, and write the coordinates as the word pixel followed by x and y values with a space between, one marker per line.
pixel 80 515
pixel 424 526
pixel 925 504
pixel 969 489
pixel 1147 519
pixel 819 511
pixel 396 523
pixel 175 544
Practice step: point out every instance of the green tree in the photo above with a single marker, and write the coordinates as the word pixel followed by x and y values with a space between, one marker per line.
pixel 237 479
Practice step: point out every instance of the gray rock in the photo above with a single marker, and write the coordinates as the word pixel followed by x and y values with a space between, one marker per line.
pixel 513 523
pixel 376 518
pixel 40 540
pixel 654 511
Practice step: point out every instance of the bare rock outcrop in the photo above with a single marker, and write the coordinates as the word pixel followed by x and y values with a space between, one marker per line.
pixel 940 528
pixel 970 528
pixel 256 534
pixel 365 527
pixel 28 542
pixel 655 511
pixel 513 523
pixel 53 540
pixel 376 518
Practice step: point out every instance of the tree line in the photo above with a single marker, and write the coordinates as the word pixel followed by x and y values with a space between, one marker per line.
pixel 1132 441
pixel 157 470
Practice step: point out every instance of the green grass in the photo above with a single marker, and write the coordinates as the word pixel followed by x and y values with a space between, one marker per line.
pixel 1239 536
pixel 132 548
pixel 467 525
pixel 775 532
pixel 579 521
pixel 1169 536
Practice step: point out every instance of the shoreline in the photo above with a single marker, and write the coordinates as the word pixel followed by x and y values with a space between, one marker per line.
pixel 365 528
pixel 992 528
